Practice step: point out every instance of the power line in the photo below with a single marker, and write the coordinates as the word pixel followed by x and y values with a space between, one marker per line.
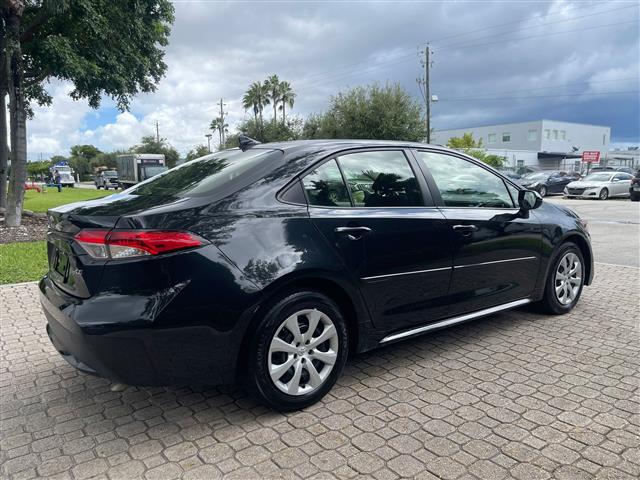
pixel 488 95
pixel 328 76
pixel 465 99
pixel 546 24
pixel 592 27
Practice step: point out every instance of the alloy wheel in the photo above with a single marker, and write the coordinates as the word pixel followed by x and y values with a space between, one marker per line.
pixel 302 352
pixel 604 194
pixel 543 191
pixel 568 278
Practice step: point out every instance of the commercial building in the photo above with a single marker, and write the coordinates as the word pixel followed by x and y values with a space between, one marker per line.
pixel 540 144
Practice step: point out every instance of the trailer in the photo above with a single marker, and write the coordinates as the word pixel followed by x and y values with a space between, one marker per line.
pixel 134 168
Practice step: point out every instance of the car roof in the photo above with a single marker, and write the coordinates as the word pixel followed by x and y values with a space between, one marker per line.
pixel 337 144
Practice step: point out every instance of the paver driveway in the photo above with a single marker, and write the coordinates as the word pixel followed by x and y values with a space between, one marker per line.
pixel 515 395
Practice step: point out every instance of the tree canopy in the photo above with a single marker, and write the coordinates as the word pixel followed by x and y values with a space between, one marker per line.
pixel 111 48
pixel 377 112
pixel 473 147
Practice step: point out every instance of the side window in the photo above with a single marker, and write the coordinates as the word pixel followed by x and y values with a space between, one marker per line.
pixel 325 188
pixel 463 184
pixel 380 179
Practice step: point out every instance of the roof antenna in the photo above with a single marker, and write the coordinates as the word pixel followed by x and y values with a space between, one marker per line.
pixel 245 142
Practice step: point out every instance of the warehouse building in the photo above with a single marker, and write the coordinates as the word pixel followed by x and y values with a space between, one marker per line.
pixel 540 144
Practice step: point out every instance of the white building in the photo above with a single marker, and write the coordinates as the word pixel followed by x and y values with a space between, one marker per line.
pixel 543 144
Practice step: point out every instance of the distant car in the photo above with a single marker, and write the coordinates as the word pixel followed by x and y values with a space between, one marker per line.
pixel 511 175
pixel 546 182
pixel 600 185
pixel 107 179
pixel 634 188
pixel 612 168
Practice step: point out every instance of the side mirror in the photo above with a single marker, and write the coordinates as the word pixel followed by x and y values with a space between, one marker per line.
pixel 529 200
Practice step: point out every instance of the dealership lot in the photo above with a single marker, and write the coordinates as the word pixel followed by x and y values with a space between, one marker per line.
pixel 516 395
pixel 614 227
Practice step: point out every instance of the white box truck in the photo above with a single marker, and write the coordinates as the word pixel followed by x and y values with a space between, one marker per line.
pixel 136 167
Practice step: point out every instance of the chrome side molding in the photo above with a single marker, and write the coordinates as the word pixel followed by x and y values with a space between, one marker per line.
pixel 454 320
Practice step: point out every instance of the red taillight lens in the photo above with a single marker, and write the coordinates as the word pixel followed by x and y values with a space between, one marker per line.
pixel 134 243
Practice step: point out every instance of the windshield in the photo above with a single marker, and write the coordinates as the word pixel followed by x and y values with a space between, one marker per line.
pixel 203 175
pixel 536 176
pixel 152 171
pixel 598 177
pixel 110 173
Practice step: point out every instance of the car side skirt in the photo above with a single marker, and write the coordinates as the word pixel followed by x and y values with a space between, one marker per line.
pixel 453 321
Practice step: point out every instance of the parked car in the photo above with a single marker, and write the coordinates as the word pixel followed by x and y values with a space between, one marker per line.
pixel 271 263
pixel 600 185
pixel 548 181
pixel 612 168
pixel 106 179
pixel 634 187
pixel 511 175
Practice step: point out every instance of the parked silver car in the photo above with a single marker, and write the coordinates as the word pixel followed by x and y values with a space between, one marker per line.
pixel 600 185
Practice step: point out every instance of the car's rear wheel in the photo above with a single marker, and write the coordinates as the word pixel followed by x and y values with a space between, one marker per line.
pixel 565 280
pixel 604 194
pixel 298 351
pixel 635 196
pixel 543 191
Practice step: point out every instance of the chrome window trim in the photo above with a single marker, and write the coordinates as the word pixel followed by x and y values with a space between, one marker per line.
pixel 455 320
pixel 495 261
pixel 405 273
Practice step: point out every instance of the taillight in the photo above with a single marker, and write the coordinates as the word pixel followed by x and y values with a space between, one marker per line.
pixel 134 243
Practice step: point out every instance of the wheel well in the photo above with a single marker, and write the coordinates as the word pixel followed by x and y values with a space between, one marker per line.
pixel 584 248
pixel 329 288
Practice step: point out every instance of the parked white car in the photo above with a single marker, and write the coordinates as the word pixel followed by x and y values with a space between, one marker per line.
pixel 600 185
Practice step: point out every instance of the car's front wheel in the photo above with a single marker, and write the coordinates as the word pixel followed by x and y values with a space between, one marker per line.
pixel 604 194
pixel 298 351
pixel 543 191
pixel 564 281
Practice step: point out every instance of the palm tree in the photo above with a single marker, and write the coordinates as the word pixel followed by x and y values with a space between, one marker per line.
pixel 287 97
pixel 272 84
pixel 219 125
pixel 256 98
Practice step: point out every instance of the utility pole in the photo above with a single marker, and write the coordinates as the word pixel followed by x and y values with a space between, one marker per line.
pixel 208 135
pixel 222 124
pixel 157 132
pixel 425 90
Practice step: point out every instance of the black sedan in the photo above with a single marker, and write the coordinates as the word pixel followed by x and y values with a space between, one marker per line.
pixel 634 188
pixel 271 263
pixel 547 182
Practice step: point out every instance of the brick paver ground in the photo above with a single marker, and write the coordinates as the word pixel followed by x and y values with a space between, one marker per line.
pixel 518 395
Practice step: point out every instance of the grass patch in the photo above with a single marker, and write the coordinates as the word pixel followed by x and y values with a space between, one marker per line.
pixel 41 202
pixel 22 261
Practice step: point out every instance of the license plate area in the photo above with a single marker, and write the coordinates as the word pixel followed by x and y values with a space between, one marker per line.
pixel 61 264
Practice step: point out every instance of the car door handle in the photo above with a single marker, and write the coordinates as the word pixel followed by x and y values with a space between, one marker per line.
pixel 353 233
pixel 465 228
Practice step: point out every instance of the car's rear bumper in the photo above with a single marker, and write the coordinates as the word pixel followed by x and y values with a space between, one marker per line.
pixel 148 355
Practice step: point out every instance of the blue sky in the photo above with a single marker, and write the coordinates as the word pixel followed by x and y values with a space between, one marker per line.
pixel 493 62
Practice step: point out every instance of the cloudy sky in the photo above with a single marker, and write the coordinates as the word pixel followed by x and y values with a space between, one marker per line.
pixel 493 62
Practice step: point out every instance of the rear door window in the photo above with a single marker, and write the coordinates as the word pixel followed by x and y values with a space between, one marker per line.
pixel 325 186
pixel 380 179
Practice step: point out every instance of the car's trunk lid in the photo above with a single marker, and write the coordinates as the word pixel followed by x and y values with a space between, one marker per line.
pixel 70 267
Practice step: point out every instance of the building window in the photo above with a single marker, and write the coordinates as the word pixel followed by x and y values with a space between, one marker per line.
pixel 506 137
pixel 546 133
pixel 532 135
pixel 555 134
pixel 563 135
pixel 520 163
pixel 491 138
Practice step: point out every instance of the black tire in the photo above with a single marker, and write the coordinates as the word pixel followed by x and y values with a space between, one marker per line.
pixel 635 197
pixel 550 303
pixel 259 381
pixel 98 187
pixel 543 191
pixel 604 194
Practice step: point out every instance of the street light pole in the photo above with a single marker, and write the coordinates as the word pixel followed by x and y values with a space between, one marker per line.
pixel 208 135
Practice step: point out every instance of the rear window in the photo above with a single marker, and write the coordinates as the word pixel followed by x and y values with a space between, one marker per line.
pixel 204 175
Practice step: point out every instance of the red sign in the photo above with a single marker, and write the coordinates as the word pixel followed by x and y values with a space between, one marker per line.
pixel 591 157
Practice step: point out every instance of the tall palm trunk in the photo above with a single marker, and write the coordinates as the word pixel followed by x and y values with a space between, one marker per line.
pixel 284 107
pixel 4 147
pixel 18 115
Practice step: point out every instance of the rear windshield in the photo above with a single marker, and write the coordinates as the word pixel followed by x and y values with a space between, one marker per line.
pixel 204 175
